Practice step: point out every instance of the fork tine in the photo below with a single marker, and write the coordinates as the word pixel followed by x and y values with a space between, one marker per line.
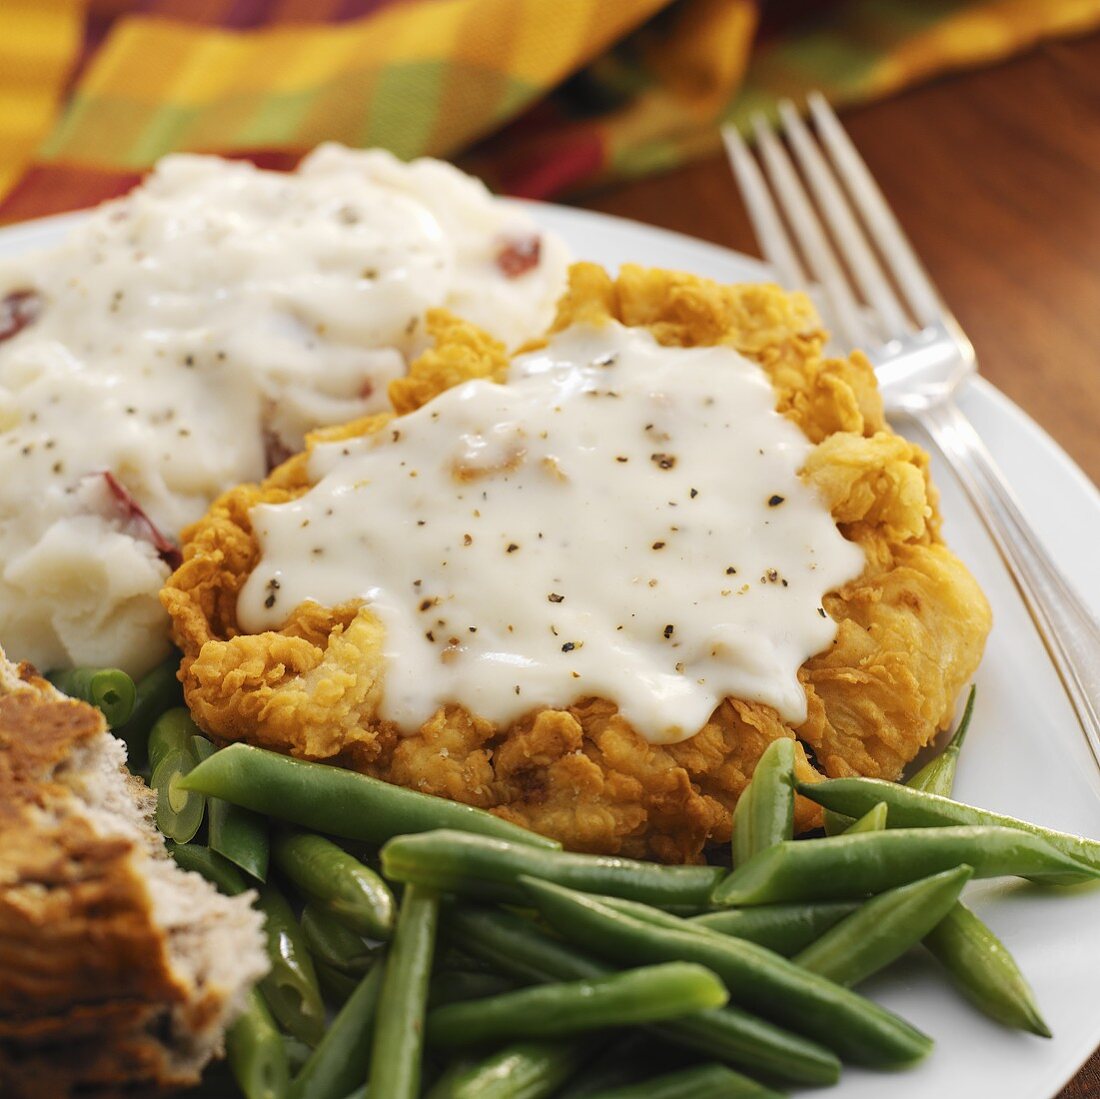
pixel 807 229
pixel 849 236
pixel 773 238
pixel 883 226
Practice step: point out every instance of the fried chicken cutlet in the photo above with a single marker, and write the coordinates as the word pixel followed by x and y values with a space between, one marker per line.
pixel 909 628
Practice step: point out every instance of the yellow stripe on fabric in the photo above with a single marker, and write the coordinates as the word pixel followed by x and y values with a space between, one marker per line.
pixel 134 60
pixel 39 42
pixel 158 85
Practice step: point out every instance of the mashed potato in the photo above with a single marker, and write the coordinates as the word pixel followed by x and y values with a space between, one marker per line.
pixel 184 338
pixel 910 627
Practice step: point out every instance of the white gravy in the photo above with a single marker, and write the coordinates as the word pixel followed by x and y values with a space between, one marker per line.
pixel 184 337
pixel 620 520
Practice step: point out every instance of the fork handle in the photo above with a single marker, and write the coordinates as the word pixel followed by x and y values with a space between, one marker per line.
pixel 1068 630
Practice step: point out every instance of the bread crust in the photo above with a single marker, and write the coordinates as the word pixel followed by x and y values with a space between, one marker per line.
pixel 911 627
pixel 92 1000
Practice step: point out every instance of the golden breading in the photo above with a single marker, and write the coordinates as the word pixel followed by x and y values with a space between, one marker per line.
pixel 911 628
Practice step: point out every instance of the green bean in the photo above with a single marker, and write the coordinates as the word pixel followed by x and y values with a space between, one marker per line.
pixel 395 1058
pixel 155 693
pixel 202 746
pixel 765 809
pixel 336 985
pixel 254 1048
pixel 337 882
pixel 173 731
pixel 483 867
pixel 342 1056
pixel 758 980
pixel 911 808
pixel 340 802
pixel 697 1082
pixel 874 820
pixel 984 971
pixel 884 928
pixel 290 988
pixel 649 994
pixel 835 824
pixel 334 944
pixel 842 867
pixel 531 1069
pixel 457 986
pixel 784 928
pixel 201 860
pixel 240 835
pixel 450 956
pixel 977 961
pixel 110 690
pixel 179 811
pixel 297 1053
pixel 636 1056
pixel 938 775
pixel 520 950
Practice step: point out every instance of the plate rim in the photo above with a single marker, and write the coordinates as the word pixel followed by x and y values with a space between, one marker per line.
pixel 12 238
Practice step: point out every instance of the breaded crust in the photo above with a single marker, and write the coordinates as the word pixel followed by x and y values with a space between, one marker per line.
pixel 911 628
pixel 93 998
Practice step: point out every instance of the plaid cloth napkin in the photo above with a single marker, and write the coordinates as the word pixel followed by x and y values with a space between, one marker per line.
pixel 537 96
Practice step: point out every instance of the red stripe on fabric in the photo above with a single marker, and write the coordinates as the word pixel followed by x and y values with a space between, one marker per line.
pixel 53 189
pixel 252 14
pixel 243 14
pixel 545 168
pixel 207 13
pixel 57 188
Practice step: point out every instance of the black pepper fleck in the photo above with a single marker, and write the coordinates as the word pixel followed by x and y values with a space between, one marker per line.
pixel 555 598
pixel 568 647
pixel 774 501
pixel 668 631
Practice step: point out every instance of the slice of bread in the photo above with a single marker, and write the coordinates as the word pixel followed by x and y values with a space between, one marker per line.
pixel 118 970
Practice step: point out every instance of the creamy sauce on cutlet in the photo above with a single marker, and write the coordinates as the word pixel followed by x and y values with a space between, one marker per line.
pixel 621 520
pixel 183 339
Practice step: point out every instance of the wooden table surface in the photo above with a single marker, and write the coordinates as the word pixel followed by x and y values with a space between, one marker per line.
pixel 995 175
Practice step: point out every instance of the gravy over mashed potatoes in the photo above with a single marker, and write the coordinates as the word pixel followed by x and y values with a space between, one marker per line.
pixel 184 338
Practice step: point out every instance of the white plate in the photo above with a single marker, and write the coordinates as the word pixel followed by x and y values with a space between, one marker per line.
pixel 1024 755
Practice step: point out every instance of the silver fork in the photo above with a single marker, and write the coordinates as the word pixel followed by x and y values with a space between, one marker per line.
pixel 919 352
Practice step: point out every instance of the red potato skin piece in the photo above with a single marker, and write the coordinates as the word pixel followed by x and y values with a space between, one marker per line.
pixel 518 255
pixel 131 511
pixel 17 310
